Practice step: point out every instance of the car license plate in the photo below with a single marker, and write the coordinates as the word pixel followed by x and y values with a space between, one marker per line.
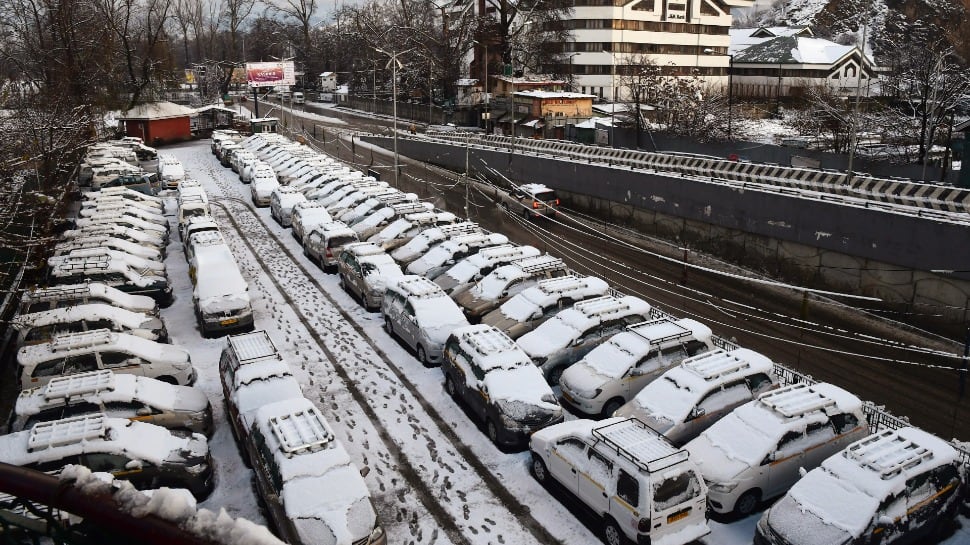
pixel 567 397
pixel 677 516
pixel 228 321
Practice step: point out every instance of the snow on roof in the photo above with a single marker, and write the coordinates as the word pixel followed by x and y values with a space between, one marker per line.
pixel 793 50
pixel 549 292
pixel 467 268
pixel 94 290
pixel 491 348
pixel 252 346
pixel 497 282
pixel 444 251
pixel 553 94
pixel 799 400
pixel 299 438
pixel 83 343
pixel 337 500
pixel 466 82
pixel 91 312
pixel 156 110
pixel 215 107
pixel 523 383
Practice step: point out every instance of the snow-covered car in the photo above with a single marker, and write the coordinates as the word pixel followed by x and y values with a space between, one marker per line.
pixel 246 176
pixel 124 220
pixel 42 326
pixel 68 295
pixel 896 486
pixel 442 256
pixel 484 368
pixel 615 371
pixel 198 224
pixel 91 164
pixel 344 187
pixel 531 200
pixel 122 207
pixel 281 203
pixel 427 238
pixel 531 307
pixel 263 184
pixel 239 159
pixel 332 181
pixel 126 193
pixel 325 241
pixel 758 451
pixel 369 225
pixel 147 455
pixel 306 216
pixel 506 281
pixel 119 396
pixel 81 255
pixel 574 332
pixel 313 491
pixel 400 231
pixel 351 200
pixel 190 207
pixel 643 489
pixel 221 294
pixel 364 270
pixel 170 171
pixel 101 198
pixel 103 349
pixel 253 373
pixel 421 315
pixel 108 242
pixel 152 240
pixel 372 204
pixel 687 399
pixel 469 270
pixel 116 273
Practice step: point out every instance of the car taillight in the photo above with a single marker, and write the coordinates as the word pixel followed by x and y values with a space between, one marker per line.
pixel 535 204
pixel 557 202
pixel 329 252
pixel 643 526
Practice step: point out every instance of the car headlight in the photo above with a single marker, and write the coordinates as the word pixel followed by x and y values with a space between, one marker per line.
pixel 723 488
pixel 376 534
pixel 589 394
pixel 508 421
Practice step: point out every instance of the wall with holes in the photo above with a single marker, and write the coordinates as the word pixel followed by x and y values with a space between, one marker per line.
pixel 863 250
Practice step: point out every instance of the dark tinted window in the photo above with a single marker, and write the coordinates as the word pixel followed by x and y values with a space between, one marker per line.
pixel 628 489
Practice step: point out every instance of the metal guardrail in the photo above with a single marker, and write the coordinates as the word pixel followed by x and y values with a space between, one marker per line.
pixel 925 196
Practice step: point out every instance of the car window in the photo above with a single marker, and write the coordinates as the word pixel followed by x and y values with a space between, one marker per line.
pixel 844 422
pixel 572 451
pixel 477 371
pixel 819 432
pixel 599 468
pixel 80 363
pixel 759 381
pixel 105 462
pixel 789 444
pixel 113 358
pixel 669 493
pixel 49 368
pixel 628 489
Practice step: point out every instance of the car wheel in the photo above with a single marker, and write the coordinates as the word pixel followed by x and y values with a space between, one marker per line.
pixel 168 380
pixel 612 533
pixel 526 214
pixel 611 407
pixel 492 431
pixel 555 374
pixel 388 326
pixel 747 503
pixel 423 357
pixel 450 387
pixel 539 470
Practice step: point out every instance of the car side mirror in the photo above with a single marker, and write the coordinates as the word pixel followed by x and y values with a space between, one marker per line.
pixel 636 372
pixel 133 465
pixel 143 411
pixel 698 412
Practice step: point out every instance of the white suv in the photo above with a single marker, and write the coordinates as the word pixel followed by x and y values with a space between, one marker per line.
pixel 506 281
pixel 531 307
pixel 419 313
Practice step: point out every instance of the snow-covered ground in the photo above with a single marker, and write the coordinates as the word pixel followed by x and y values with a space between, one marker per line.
pixel 434 478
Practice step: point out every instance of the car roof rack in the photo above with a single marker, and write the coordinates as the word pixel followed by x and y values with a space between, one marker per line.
pixel 81 384
pixel 252 346
pixel 660 331
pixel 540 263
pixel 639 444
pixel 362 249
pixel 488 341
pixel 887 453
pixel 409 207
pixel 57 292
pixel 421 288
pixel 453 229
pixel 301 431
pixel 715 364
pixel 796 400
pixel 392 198
pixel 74 341
pixel 68 431
pixel 598 306
pixel 562 284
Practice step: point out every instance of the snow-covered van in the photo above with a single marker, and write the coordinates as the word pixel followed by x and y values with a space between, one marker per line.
pixel 429 237
pixel 103 349
pixel 281 203
pixel 642 488
pixel 38 327
pixel 507 281
pixel 118 395
pixel 325 241
pixel 170 171
pixel 757 452
pixel 421 315
pixel 896 486
pixel 221 294
pixel 574 332
pixel 306 216
pixel 153 240
pixel 689 398
pixel 615 371
pixel 486 370
pixel 307 480
pixel 531 307
pixel 82 255
pixel 442 256
pixel 70 246
pixel 469 270
pixel 68 295
pixel 116 273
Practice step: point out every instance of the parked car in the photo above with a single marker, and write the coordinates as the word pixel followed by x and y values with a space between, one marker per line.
pixel 306 216
pixel 372 224
pixel 431 236
pixel 81 256
pixel 147 455
pixel 107 242
pixel 689 398
pixel 364 270
pixel 574 332
pixel 442 256
pixel 375 203
pixel 615 371
pixel 263 185
pixel 221 294
pixel 400 231
pixel 505 282
pixel 895 486
pixel 490 374
pixel 325 241
pixel 103 349
pixel 757 452
pixel 532 306
pixel 141 399
pixel 120 206
pixel 306 478
pixel 68 295
pixel 42 326
pixel 170 171
pixel 198 224
pixel 642 489
pixel 125 220
pixel 152 240
pixel 473 268
pixel 115 273
pixel 95 199
pixel 298 98
pixel 281 203
pixel 420 314
pixel 531 200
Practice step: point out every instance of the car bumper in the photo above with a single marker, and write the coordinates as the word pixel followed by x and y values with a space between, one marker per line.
pixel 227 324
pixel 518 437
pixel 723 502
pixel 583 405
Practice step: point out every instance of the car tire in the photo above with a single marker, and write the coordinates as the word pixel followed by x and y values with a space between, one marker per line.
pixel 747 503
pixel 450 387
pixel 611 406
pixel 492 431
pixel 612 534
pixel 168 380
pixel 538 469
pixel 526 214
pixel 388 326
pixel 423 356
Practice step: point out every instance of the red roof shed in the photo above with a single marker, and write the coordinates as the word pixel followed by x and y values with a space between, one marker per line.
pixel 157 122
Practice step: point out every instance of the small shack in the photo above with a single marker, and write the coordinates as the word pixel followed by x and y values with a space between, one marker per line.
pixel 211 117
pixel 157 122
pixel 263 124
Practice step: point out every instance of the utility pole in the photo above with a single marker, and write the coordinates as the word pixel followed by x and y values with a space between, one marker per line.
pixel 394 64
pixel 853 136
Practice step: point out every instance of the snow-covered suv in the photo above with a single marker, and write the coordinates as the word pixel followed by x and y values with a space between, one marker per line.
pixel 531 307
pixel 281 203
pixel 506 281
pixel 615 371
pixel 486 370
pixel 419 313
pixel 464 273
pixel 38 327
pixel 67 295
pixel 442 256
pixel 364 270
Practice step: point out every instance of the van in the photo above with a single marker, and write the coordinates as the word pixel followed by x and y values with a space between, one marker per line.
pixel 103 349
pixel 170 171
pixel 506 281
pixel 324 243
pixel 420 314
pixel 574 332
pixel 895 486
pixel 41 299
pixel 687 399
pixel 42 326
pixel 298 98
pixel 221 294
pixel 116 273
pixel 642 488
pixel 531 201
pixel 531 307
pixel 141 399
pixel 69 246
pixel 757 452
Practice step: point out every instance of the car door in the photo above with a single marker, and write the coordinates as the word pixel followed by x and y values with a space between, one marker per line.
pixel 478 397
pixel 313 244
pixel 566 457
pixel 642 373
pixel 594 483
pixel 408 321
pixel 783 464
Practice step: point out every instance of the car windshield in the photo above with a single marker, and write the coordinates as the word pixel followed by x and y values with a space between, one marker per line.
pixel 545 196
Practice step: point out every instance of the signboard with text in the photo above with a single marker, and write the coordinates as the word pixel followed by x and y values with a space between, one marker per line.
pixel 270 74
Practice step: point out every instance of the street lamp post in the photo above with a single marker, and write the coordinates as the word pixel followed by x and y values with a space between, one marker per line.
pixel 612 92
pixel 730 94
pixel 512 88
pixel 394 63
pixel 485 80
